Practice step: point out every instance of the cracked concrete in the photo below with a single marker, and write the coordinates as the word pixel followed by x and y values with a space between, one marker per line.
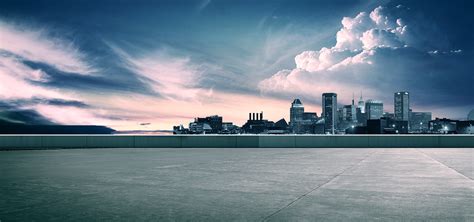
pixel 238 184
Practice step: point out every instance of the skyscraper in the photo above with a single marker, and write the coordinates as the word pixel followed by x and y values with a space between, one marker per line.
pixel 401 106
pixel 296 112
pixel 373 109
pixel 329 105
pixel 349 112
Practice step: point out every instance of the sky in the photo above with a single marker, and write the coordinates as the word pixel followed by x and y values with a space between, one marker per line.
pixel 148 65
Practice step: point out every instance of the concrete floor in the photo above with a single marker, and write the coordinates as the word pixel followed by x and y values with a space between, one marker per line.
pixel 237 185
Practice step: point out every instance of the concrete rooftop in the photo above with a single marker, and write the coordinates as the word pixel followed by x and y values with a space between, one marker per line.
pixel 237 184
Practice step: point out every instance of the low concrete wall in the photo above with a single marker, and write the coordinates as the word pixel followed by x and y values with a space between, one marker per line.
pixel 14 142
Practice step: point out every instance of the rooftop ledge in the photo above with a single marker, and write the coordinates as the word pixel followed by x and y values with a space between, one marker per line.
pixel 18 142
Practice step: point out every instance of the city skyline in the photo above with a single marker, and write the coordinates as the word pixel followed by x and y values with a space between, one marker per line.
pixel 151 65
pixel 367 117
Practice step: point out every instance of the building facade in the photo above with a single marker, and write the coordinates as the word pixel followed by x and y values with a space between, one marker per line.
pixel 401 106
pixel 296 112
pixel 373 109
pixel 361 104
pixel 419 122
pixel 215 122
pixel 442 126
pixel 329 105
pixel 349 113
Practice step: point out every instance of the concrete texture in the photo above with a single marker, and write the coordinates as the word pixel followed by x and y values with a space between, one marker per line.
pixel 18 142
pixel 237 185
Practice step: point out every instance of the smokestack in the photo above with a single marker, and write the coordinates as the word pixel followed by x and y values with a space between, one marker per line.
pixel 261 115
pixel 253 115
pixel 250 116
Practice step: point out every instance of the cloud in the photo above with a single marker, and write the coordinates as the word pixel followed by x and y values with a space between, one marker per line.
pixel 354 40
pixel 32 101
pixel 22 82
pixel 44 101
pixel 19 81
pixel 70 115
pixel 375 29
pixel 38 45
pixel 380 38
pixel 26 88
pixel 14 65
pixel 12 114
pixel 324 59
pixel 202 5
pixel 174 78
pixel 377 53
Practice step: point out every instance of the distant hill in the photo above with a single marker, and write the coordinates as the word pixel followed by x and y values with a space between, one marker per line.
pixel 18 128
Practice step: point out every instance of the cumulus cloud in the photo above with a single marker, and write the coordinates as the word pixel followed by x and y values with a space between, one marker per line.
pixel 380 38
pixel 354 41
pixel 324 59
pixel 375 52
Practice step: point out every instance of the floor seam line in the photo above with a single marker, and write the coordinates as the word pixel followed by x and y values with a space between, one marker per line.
pixel 317 187
pixel 466 177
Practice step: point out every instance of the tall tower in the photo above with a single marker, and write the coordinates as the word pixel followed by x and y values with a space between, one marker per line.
pixel 352 98
pixel 329 105
pixel 401 106
pixel 353 110
pixel 361 104
pixel 296 112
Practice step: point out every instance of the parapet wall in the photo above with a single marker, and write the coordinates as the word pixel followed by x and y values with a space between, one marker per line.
pixel 17 142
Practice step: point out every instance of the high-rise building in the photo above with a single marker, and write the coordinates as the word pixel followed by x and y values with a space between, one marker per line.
pixel 373 109
pixel 361 117
pixel 401 106
pixel 339 116
pixel 349 112
pixel 329 105
pixel 296 112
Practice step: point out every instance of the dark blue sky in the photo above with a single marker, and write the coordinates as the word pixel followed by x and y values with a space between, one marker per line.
pixel 167 61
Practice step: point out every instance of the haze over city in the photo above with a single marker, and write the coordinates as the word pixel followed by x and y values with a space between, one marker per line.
pixel 146 65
